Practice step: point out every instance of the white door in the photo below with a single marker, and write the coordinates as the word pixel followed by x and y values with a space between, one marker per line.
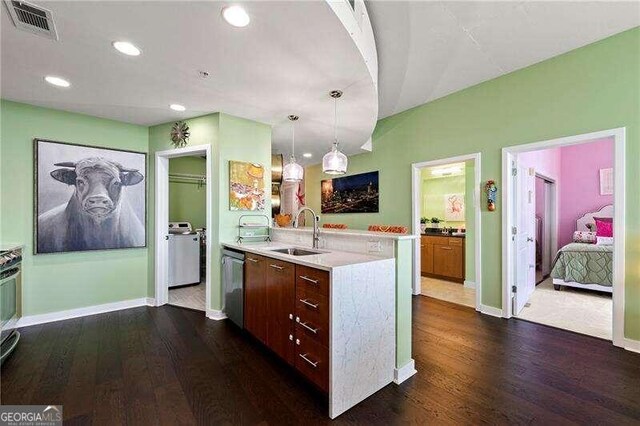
pixel 525 246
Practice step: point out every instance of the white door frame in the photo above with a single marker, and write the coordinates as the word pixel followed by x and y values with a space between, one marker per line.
pixel 416 203
pixel 162 220
pixel 508 154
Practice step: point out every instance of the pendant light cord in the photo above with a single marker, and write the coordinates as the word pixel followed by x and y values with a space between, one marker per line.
pixel 335 120
pixel 293 140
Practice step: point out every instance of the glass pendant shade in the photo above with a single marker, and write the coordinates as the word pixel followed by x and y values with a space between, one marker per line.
pixel 334 162
pixel 292 172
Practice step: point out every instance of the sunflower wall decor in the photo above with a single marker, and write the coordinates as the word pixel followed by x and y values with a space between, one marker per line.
pixel 179 134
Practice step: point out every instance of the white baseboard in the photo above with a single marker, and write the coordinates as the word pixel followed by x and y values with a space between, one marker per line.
pixel 151 301
pixel 490 310
pixel 632 345
pixel 82 312
pixel 216 315
pixel 469 284
pixel 403 373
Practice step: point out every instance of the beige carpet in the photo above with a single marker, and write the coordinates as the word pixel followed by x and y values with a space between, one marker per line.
pixel 448 291
pixel 582 311
pixel 192 297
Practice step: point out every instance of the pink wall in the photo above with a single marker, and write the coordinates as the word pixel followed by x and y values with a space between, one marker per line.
pixel 547 162
pixel 580 183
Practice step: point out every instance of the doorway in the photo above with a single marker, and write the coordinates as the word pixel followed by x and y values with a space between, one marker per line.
pixel 546 225
pixel 187 231
pixel 585 290
pixel 446 218
pixel 179 253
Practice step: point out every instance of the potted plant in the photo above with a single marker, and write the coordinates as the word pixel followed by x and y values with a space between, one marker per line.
pixel 435 222
pixel 423 224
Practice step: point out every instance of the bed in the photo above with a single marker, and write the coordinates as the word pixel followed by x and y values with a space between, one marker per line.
pixel 582 265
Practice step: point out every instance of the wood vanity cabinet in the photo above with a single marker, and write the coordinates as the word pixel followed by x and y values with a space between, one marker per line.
pixel 287 308
pixel 442 257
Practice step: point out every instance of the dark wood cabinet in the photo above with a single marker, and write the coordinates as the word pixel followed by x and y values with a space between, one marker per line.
pixel 287 308
pixel 442 257
pixel 280 292
pixel 255 296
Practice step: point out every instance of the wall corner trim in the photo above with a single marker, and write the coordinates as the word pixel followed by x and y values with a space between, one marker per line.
pixel 82 312
pixel 632 345
pixel 469 284
pixel 403 373
pixel 216 315
pixel 151 301
pixel 490 310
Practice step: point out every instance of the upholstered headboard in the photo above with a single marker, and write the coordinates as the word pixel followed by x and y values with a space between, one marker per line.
pixel 581 223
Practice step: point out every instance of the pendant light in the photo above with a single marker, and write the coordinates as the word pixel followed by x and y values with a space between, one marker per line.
pixel 335 162
pixel 292 172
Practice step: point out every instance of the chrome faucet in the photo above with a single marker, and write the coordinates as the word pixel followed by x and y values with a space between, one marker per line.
pixel 316 219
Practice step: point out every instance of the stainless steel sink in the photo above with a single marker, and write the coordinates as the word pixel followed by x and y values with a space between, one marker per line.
pixel 293 251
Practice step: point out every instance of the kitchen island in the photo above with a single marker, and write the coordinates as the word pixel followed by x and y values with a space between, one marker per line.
pixel 329 314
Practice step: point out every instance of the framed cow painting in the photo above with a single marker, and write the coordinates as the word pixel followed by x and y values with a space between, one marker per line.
pixel 88 198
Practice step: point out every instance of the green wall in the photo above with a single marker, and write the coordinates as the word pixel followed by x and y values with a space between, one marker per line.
pixel 203 131
pixel 56 282
pixel 187 199
pixel 433 192
pixel 231 138
pixel 593 88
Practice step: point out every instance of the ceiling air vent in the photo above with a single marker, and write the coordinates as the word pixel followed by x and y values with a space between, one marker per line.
pixel 32 18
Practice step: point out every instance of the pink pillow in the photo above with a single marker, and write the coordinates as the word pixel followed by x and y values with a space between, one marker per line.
pixel 604 226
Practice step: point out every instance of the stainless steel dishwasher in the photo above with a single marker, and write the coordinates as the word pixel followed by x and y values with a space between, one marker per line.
pixel 233 281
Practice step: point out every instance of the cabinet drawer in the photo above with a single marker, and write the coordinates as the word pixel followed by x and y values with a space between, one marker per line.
pixel 436 240
pixel 312 360
pixel 455 242
pixel 310 279
pixel 312 328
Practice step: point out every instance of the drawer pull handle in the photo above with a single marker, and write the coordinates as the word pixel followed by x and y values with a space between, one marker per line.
pixel 446 248
pixel 306 302
pixel 304 324
pixel 250 259
pixel 313 364
pixel 280 268
pixel 304 277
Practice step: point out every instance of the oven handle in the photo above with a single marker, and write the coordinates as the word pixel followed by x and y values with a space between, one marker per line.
pixel 10 277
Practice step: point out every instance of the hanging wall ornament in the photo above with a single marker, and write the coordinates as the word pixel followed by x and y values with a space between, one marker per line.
pixel 179 134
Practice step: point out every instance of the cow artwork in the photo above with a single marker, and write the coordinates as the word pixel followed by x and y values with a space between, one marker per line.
pixel 96 201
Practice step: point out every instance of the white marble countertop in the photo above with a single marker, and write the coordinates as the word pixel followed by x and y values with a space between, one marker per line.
pixel 355 232
pixel 326 260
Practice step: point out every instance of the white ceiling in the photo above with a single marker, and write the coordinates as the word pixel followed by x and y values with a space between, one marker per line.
pixel 429 49
pixel 286 61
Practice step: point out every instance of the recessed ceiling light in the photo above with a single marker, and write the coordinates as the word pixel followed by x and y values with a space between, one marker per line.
pixel 177 107
pixel 126 48
pixel 307 155
pixel 236 16
pixel 57 81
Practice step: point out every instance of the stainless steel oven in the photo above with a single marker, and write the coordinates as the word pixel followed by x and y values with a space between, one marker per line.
pixel 10 300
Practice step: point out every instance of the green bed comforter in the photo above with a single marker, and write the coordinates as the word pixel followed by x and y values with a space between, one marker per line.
pixel 584 264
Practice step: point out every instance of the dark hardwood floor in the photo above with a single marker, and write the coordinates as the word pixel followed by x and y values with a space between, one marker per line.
pixel 172 366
